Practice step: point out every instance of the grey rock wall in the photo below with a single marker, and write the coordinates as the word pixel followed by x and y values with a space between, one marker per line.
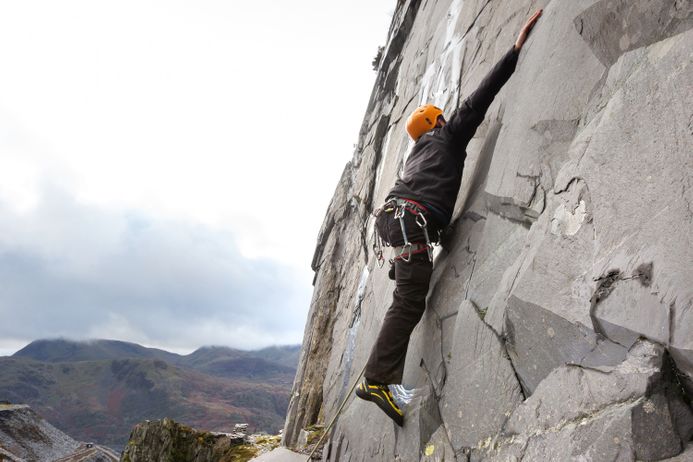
pixel 560 317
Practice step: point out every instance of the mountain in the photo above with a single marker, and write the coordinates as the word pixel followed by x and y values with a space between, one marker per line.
pixel 267 363
pixel 286 355
pixel 559 320
pixel 63 350
pixel 96 391
pixel 228 362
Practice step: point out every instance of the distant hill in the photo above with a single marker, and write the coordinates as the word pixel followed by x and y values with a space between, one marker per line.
pixel 221 361
pixel 62 350
pixel 97 390
pixel 227 362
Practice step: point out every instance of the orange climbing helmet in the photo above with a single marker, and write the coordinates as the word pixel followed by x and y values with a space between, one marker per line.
pixel 423 119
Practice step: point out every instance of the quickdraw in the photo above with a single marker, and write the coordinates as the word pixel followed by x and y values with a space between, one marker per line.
pixel 377 240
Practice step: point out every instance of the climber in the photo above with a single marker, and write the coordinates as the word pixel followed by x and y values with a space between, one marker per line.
pixel 418 206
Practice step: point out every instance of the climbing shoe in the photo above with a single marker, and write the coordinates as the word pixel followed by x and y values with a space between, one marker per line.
pixel 382 396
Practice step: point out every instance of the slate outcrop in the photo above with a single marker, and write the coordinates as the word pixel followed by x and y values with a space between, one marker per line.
pixel 168 440
pixel 26 437
pixel 560 317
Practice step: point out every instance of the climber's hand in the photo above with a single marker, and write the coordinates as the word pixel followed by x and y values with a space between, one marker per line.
pixel 524 33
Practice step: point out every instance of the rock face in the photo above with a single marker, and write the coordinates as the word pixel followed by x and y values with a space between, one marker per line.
pixel 560 317
pixel 167 440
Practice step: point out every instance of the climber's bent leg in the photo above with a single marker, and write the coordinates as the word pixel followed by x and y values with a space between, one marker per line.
pixel 386 362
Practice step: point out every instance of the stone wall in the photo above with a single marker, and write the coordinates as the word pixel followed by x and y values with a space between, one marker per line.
pixel 560 317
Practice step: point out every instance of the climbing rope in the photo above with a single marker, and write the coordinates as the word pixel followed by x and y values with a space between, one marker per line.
pixel 339 411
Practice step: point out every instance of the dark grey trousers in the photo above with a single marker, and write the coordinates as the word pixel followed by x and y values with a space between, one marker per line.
pixel 386 363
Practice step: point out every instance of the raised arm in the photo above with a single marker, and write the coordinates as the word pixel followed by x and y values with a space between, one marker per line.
pixel 467 118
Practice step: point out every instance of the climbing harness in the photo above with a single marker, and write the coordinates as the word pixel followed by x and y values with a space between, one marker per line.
pixel 404 252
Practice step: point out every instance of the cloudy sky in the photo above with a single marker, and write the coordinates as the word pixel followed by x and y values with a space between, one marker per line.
pixel 165 166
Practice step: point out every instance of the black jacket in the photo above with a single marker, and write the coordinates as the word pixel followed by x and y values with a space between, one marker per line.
pixel 433 171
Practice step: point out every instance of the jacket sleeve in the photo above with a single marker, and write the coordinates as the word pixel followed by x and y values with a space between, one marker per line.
pixel 467 118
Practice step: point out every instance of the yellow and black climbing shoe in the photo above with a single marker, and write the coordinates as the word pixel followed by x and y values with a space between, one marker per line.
pixel 382 396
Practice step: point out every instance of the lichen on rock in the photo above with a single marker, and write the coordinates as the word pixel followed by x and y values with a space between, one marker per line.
pixel 170 441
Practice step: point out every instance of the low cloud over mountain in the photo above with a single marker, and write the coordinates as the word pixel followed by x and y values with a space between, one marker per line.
pixel 76 270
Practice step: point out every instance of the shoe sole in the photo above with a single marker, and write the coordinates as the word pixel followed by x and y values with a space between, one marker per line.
pixel 383 404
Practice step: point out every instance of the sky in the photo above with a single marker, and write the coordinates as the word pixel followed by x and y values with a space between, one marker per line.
pixel 165 166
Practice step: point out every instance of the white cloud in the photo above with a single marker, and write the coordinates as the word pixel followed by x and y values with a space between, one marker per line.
pixel 74 270
pixel 148 143
pixel 221 112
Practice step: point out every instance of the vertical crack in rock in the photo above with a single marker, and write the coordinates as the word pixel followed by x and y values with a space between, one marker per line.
pixel 605 284
pixel 672 317
pixel 437 380
pixel 508 338
pixel 523 391
pixel 364 242
pixel 348 354
pixel 437 398
pixel 436 386
pixel 458 84
pixel 471 273
pixel 471 26
pixel 326 230
pixel 502 341
pixel 482 389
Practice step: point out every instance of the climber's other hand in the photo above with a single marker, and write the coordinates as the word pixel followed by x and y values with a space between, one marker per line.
pixel 526 29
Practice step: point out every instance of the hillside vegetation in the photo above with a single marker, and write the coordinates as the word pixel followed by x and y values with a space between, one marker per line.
pixel 98 391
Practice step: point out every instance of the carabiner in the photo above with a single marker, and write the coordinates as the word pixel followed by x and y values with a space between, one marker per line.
pixel 406 248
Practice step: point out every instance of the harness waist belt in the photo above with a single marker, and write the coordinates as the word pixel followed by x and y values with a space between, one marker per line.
pixel 403 252
pixel 415 207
